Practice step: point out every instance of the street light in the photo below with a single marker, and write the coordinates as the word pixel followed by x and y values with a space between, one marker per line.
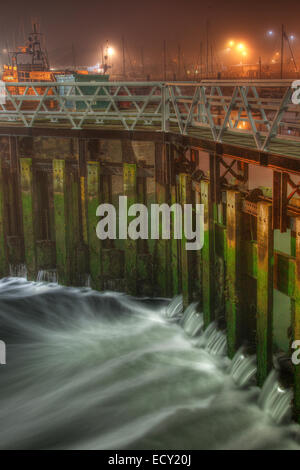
pixel 110 51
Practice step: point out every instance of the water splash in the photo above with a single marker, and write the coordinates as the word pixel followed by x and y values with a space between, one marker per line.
pixel 275 400
pixel 174 310
pixel 47 275
pixel 192 320
pixel 243 368
pixel 18 270
pixel 214 340
pixel 87 280
pixel 91 370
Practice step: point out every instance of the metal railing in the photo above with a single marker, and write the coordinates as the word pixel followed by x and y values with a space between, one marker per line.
pixel 254 112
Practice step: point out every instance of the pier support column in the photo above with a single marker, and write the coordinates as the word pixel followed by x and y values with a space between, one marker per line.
pixel 185 193
pixel 207 257
pixel 60 222
pixel 233 251
pixel 95 246
pixel 175 281
pixel 130 190
pixel 161 248
pixel 82 146
pixel 296 323
pixel 28 217
pixel 162 267
pixel 265 247
pixel 3 247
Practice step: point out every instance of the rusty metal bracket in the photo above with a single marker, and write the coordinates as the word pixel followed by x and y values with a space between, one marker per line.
pixel 242 170
pixel 280 201
pixel 13 151
pixel 219 149
pixel 281 198
pixel 82 150
pixel 263 158
pixel 251 200
pixel 249 207
pixel 295 188
pixel 215 180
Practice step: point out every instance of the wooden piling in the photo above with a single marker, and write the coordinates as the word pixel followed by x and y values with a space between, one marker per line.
pixel 130 190
pixel 28 217
pixel 174 248
pixel 207 257
pixel 265 247
pixel 296 323
pixel 144 258
pixel 3 246
pixel 185 196
pixel 161 248
pixel 77 268
pixel 60 222
pixel 95 245
pixel 233 251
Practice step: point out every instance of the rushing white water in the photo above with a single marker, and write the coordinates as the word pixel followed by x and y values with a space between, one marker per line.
pixel 88 370
pixel 174 309
pixel 213 340
pixel 192 321
pixel 18 270
pixel 243 368
pixel 47 275
pixel 275 399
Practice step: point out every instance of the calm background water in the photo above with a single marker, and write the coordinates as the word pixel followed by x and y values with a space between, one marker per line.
pixel 87 370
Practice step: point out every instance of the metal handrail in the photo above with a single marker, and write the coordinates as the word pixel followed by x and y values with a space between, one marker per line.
pixel 260 109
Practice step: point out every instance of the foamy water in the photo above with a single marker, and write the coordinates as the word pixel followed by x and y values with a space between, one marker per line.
pixel 87 370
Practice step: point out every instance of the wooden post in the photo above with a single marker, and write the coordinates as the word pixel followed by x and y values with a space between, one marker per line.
pixel 60 222
pixel 161 248
pixel 144 258
pixel 265 247
pixel 83 191
pixel 82 163
pixel 28 217
pixel 197 271
pixel 130 190
pixel 3 246
pixel 73 228
pixel 185 190
pixel 296 323
pixel 176 284
pixel 162 266
pixel 95 246
pixel 233 250
pixel 207 257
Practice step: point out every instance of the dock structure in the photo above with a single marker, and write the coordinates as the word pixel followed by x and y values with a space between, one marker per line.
pixel 232 146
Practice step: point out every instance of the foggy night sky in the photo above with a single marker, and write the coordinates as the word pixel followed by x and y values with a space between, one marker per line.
pixel 146 23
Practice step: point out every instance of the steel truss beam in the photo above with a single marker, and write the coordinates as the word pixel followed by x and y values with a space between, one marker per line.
pixel 259 114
